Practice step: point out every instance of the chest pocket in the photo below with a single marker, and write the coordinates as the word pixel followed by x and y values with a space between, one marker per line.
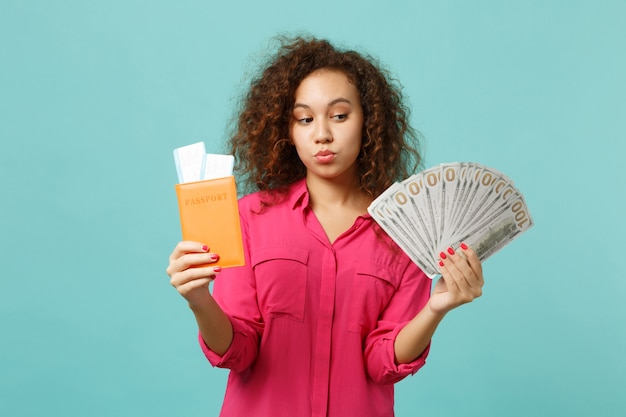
pixel 281 275
pixel 372 289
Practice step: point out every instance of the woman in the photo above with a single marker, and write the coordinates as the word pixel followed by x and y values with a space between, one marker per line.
pixel 328 313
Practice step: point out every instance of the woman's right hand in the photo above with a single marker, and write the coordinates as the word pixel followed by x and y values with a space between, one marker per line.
pixel 189 272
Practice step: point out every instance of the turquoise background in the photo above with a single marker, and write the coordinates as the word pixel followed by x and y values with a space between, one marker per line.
pixel 94 96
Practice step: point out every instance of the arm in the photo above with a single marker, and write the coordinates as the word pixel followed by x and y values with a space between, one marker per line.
pixel 192 282
pixel 461 282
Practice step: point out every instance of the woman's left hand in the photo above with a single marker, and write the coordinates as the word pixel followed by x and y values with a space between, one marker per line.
pixel 461 281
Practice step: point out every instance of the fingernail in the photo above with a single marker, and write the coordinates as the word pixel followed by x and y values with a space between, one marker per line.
pixel 451 251
pixel 215 257
pixel 440 263
pixel 217 269
pixel 205 248
pixel 442 255
pixel 463 246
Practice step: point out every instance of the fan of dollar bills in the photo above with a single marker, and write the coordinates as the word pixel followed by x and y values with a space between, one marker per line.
pixel 449 204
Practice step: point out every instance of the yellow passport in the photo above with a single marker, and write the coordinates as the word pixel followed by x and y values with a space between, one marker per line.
pixel 209 213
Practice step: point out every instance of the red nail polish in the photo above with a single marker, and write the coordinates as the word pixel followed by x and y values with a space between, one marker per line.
pixel 215 257
pixel 440 263
pixel 205 248
pixel 217 269
pixel 442 255
pixel 463 246
pixel 451 251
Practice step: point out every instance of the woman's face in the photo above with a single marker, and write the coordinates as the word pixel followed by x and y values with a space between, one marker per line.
pixel 327 125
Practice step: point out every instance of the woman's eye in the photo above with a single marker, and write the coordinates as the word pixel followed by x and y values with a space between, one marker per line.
pixel 305 120
pixel 340 117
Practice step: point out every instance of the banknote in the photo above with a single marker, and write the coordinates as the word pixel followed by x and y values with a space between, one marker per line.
pixel 448 204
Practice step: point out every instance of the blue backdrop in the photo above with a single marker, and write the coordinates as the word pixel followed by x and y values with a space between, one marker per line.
pixel 95 95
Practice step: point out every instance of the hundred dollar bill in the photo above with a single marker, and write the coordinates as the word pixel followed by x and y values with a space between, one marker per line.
pixel 415 198
pixel 434 201
pixel 402 207
pixel 450 189
pixel 500 231
pixel 392 225
pixel 483 198
pixel 465 176
pixel 448 204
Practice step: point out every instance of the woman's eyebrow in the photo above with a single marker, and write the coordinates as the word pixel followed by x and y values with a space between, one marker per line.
pixel 332 103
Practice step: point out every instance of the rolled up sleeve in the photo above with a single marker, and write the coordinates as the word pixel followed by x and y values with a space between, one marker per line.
pixel 241 352
pixel 235 292
pixel 408 300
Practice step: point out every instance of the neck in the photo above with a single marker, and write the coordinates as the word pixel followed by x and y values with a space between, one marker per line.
pixel 346 193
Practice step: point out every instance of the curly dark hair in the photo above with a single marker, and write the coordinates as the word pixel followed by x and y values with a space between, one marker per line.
pixel 265 158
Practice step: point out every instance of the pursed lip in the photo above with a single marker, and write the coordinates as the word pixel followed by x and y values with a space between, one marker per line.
pixel 325 156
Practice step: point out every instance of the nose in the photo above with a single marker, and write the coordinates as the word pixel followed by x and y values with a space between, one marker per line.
pixel 322 133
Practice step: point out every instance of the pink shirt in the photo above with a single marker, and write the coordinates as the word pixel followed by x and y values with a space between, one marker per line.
pixel 314 322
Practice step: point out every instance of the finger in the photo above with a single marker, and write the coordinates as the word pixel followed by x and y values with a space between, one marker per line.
pixel 461 264
pixel 472 259
pixel 448 274
pixel 190 286
pixel 191 260
pixel 194 260
pixel 462 274
pixel 470 283
pixel 194 274
pixel 455 258
pixel 187 246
